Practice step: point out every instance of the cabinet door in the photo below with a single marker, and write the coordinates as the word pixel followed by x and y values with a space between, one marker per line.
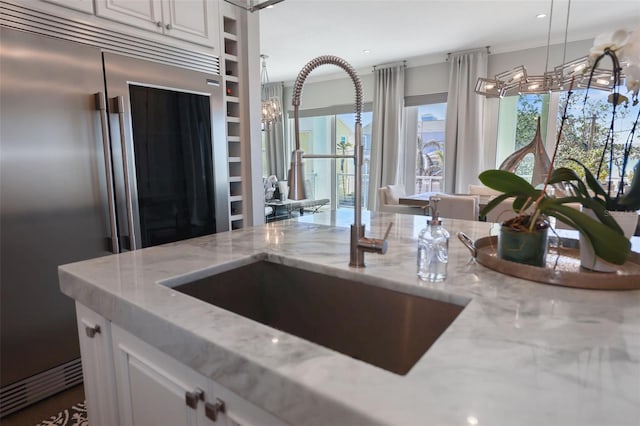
pixel 85 6
pixel 153 388
pixel 192 20
pixel 237 410
pixel 145 14
pixel 97 367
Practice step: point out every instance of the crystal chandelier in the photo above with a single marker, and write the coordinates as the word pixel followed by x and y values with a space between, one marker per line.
pixel 271 110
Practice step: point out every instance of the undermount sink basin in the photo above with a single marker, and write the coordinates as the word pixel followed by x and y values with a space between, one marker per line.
pixel 386 328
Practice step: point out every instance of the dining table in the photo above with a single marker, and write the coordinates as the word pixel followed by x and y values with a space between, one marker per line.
pixel 422 199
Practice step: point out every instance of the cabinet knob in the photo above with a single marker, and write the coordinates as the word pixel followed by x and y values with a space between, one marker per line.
pixel 192 398
pixel 212 410
pixel 168 26
pixel 158 23
pixel 91 331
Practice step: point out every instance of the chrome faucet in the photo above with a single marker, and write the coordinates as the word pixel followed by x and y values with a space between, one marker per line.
pixel 359 244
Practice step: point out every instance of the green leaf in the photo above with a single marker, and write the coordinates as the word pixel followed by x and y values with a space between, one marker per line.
pixel 631 200
pixel 493 203
pixel 565 174
pixel 597 207
pixel 507 183
pixel 592 182
pixel 607 243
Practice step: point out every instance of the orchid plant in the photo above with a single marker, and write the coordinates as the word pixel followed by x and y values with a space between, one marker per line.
pixel 623 48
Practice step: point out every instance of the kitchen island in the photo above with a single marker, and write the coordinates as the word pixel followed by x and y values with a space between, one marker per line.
pixel 519 353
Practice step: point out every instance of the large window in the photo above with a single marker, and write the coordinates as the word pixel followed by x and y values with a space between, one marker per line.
pixel 428 170
pixel 334 134
pixel 517 127
pixel 583 135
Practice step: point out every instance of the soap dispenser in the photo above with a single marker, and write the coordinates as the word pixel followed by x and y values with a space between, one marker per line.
pixel 433 247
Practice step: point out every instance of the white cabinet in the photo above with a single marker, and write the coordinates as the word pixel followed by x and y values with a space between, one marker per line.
pixel 190 20
pixel 130 383
pixel 85 6
pixel 153 389
pixel 97 367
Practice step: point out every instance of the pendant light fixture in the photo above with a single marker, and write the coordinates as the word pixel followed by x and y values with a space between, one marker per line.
pixel 271 108
pixel 518 81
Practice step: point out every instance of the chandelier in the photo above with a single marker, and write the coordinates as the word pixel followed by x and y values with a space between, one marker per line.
pixel 271 110
pixel 517 81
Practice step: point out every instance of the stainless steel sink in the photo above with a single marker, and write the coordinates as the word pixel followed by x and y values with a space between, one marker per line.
pixel 386 328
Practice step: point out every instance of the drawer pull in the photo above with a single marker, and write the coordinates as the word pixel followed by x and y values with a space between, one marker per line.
pixel 92 331
pixel 212 410
pixel 192 398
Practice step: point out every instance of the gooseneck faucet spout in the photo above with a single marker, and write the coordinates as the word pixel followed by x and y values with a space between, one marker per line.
pixel 359 244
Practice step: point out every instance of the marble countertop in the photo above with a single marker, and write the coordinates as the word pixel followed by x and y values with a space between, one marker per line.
pixel 520 353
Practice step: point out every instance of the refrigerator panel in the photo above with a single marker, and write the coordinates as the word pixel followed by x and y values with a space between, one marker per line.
pixel 53 197
pixel 169 151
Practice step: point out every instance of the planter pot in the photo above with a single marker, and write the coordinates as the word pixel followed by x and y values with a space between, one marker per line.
pixel 627 221
pixel 523 247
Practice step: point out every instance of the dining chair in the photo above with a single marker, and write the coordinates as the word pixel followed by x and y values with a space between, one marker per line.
pixel 502 212
pixel 388 197
pixel 481 190
pixel 458 206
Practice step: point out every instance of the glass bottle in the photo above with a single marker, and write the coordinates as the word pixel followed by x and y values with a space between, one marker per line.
pixel 433 248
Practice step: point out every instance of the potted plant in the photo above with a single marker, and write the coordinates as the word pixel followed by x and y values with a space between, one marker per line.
pixel 526 234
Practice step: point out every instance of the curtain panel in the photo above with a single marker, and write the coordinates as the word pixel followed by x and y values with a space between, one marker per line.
pixel 274 136
pixel 464 142
pixel 387 148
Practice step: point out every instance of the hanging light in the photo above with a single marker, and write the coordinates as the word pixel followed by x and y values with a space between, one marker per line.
pixel 271 109
pixel 516 80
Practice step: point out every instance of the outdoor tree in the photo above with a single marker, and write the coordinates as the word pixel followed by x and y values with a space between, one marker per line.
pixel 583 135
pixel 343 146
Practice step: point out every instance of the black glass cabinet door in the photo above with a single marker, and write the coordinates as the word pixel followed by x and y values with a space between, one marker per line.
pixel 173 162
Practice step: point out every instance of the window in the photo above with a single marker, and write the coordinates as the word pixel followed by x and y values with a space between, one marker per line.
pixel 586 129
pixel 428 146
pixel 334 134
pixel 583 135
pixel 517 126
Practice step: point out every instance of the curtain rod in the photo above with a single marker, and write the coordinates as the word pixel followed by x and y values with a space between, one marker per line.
pixel 389 65
pixel 460 52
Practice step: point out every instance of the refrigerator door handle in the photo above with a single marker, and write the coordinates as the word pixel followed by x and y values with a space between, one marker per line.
pixel 118 108
pixel 100 104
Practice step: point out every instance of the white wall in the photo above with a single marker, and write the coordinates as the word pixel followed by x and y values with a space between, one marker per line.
pixel 428 79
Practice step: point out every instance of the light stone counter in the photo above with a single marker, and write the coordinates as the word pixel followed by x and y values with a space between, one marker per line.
pixel 520 353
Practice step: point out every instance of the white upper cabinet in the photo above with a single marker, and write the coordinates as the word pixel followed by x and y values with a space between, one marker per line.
pixel 85 6
pixel 189 20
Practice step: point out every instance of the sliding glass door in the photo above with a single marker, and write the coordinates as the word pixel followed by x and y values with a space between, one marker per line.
pixel 334 134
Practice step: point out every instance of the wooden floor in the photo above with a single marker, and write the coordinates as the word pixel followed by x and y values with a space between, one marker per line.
pixel 44 409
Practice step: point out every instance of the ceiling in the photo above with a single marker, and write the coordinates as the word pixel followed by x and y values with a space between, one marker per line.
pixel 422 31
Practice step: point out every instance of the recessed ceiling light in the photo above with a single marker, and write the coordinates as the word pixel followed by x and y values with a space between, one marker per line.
pixel 366 51
pixel 541 15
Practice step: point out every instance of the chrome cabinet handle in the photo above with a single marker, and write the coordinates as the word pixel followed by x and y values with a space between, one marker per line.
pixel 92 331
pixel 118 107
pixel 213 410
pixel 192 398
pixel 100 105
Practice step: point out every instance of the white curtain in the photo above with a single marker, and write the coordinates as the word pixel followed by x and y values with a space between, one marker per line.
pixel 464 148
pixel 274 136
pixel 387 148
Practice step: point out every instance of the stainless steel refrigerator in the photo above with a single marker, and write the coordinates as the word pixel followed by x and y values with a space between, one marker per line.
pixel 100 153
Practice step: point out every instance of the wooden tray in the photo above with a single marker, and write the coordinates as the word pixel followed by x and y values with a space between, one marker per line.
pixel 562 268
